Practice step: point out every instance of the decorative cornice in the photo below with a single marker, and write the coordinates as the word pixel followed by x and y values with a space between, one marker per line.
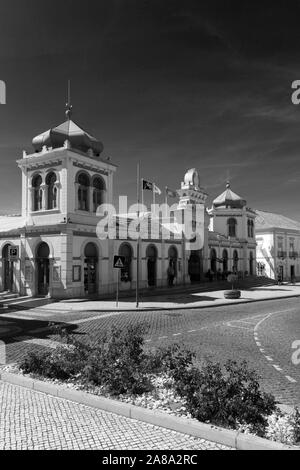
pixel 91 167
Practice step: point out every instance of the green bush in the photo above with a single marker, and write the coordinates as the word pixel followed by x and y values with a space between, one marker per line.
pixel 118 362
pixel 227 397
pixel 64 362
pixel 173 359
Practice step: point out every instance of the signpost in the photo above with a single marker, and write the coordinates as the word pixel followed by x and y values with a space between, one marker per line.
pixel 119 263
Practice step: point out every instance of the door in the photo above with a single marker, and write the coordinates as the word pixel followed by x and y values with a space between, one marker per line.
pixel 292 273
pixel 43 276
pixel 90 277
pixel 152 272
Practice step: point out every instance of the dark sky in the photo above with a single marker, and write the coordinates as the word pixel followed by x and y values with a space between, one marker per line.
pixel 176 84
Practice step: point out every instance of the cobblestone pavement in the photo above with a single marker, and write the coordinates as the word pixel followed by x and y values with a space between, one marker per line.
pixel 32 420
pixel 218 333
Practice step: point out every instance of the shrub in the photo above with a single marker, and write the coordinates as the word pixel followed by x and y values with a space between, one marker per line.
pixel 64 362
pixel 227 398
pixel 173 360
pixel 118 361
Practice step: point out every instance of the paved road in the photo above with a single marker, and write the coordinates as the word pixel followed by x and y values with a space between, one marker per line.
pixel 261 333
pixel 31 420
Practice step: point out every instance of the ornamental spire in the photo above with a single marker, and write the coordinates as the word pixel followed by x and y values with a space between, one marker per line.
pixel 69 106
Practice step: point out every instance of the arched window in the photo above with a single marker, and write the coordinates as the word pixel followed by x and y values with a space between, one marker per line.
pixel 231 227
pixel 126 251
pixel 98 193
pixel 52 191
pixel 235 261
pixel 37 202
pixel 83 192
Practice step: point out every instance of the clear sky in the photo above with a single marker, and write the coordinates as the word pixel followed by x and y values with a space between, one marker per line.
pixel 176 84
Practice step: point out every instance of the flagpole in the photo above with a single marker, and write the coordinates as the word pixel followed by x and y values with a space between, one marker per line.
pixel 139 238
pixel 166 201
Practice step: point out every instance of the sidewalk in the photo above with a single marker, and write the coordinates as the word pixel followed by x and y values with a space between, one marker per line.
pixel 177 300
pixel 31 420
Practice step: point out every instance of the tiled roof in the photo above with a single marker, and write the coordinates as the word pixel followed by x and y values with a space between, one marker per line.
pixel 268 220
pixel 229 199
pixel 69 130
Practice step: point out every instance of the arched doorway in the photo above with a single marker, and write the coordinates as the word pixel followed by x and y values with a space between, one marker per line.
pixel 235 261
pixel 251 263
pixel 225 261
pixel 213 260
pixel 90 268
pixel 151 255
pixel 172 265
pixel 126 251
pixel 8 280
pixel 42 262
pixel 195 266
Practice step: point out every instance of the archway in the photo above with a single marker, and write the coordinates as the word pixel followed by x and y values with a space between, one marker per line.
pixel 42 262
pixel 225 261
pixel 90 269
pixel 173 264
pixel 213 260
pixel 151 255
pixel 7 269
pixel 126 251
pixel 251 264
pixel 195 266
pixel 235 261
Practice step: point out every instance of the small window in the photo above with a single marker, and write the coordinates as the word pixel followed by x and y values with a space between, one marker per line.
pixel 232 227
pixel 37 193
pixel 98 193
pixel 83 192
pixel 52 191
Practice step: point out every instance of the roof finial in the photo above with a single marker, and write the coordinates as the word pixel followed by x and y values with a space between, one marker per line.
pixel 68 104
pixel 228 185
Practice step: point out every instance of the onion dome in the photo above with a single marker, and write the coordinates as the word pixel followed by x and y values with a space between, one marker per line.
pixel 229 199
pixel 69 131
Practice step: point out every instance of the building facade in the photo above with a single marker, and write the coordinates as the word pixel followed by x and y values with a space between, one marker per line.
pixel 278 246
pixel 53 248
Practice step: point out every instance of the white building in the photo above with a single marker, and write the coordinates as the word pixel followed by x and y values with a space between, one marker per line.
pixel 54 249
pixel 231 237
pixel 278 246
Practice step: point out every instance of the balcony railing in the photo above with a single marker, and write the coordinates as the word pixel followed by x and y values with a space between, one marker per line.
pixel 293 254
pixel 281 254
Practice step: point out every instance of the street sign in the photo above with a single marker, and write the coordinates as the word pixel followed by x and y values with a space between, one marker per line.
pixel 119 262
pixel 13 253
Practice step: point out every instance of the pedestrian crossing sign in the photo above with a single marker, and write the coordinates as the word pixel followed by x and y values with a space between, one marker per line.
pixel 119 262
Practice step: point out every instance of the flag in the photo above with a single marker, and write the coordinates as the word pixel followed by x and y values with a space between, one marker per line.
pixel 170 192
pixel 156 189
pixel 149 186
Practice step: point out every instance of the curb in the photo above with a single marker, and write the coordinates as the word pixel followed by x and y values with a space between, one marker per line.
pixel 182 307
pixel 205 431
